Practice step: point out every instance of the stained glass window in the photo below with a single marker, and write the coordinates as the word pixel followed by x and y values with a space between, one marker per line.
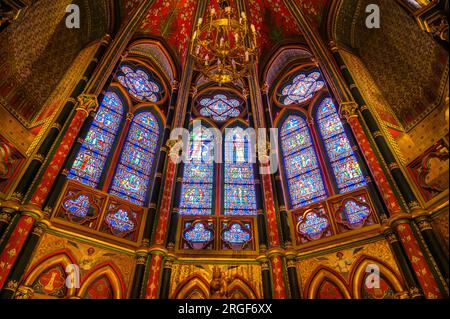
pixel 356 213
pixel 132 176
pixel 121 221
pixel 91 158
pixel 301 89
pixel 197 186
pixel 198 234
pixel 220 108
pixel 236 234
pixel 239 186
pixel 312 225
pixel 302 171
pixel 343 161
pixel 140 85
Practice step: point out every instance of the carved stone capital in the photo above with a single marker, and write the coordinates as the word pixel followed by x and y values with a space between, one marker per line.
pixel 333 46
pixel 265 88
pixel 424 225
pixel 348 110
pixel 87 103
pixel 24 292
pixel 175 85
pixel 193 91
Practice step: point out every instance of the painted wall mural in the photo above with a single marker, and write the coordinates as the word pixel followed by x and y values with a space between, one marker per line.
pixel 341 274
pixel 313 10
pixel 273 22
pixel 215 281
pixel 171 20
pixel 10 163
pixel 104 273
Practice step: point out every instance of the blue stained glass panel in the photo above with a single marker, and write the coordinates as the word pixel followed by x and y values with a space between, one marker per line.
pixel 139 84
pixel 137 158
pixel 292 124
pixel 330 126
pixel 303 176
pixel 302 162
pixel 132 177
pixel 91 158
pixel 302 88
pixel 236 235
pixel 313 226
pixel 347 172
pixel 120 222
pixel 239 187
pixel 87 167
pixel 194 197
pixel 296 142
pixel 78 207
pixel 240 173
pixel 338 147
pixel 198 174
pixel 345 167
pixel 98 140
pixel 356 214
pixel 198 234
pixel 240 199
pixel 306 189
pixel 108 119
pixel 220 108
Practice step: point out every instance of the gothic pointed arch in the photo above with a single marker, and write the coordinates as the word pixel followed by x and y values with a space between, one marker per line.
pixel 48 275
pixel 327 284
pixel 104 281
pixel 387 286
pixel 192 287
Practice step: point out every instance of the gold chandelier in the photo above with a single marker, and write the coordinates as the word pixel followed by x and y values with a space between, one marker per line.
pixel 223 48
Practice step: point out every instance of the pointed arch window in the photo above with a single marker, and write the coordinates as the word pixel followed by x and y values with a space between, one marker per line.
pixel 91 158
pixel 132 177
pixel 198 174
pixel 340 154
pixel 304 179
pixel 239 196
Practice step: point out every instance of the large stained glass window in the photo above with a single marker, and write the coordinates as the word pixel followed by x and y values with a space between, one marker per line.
pixel 220 108
pixel 90 161
pixel 239 185
pixel 140 85
pixel 132 176
pixel 343 161
pixel 301 89
pixel 198 175
pixel 301 166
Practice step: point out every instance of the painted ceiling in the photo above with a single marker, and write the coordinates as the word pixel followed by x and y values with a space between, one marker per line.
pixel 173 20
